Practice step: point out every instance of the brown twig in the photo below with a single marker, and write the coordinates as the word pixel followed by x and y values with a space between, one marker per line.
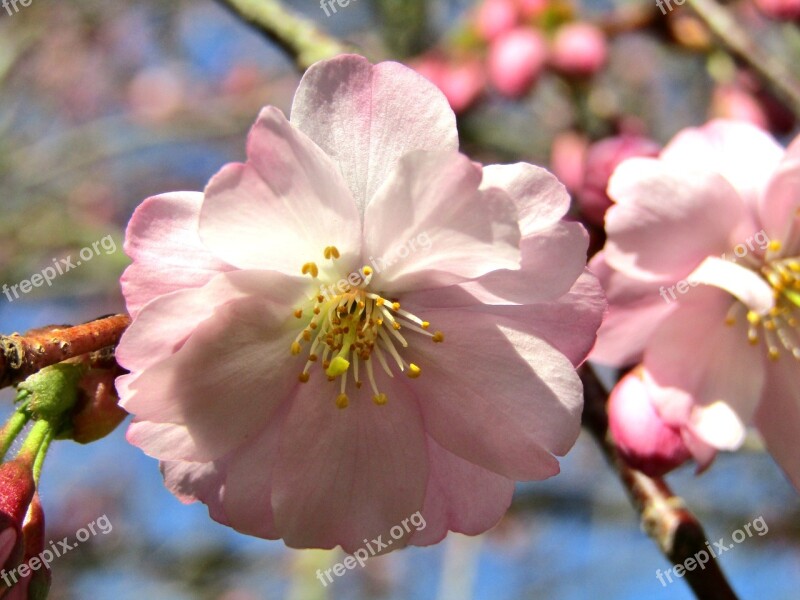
pixel 665 517
pixel 23 355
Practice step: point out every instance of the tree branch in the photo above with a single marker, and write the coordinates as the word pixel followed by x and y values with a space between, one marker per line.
pixel 300 38
pixel 23 355
pixel 768 66
pixel 665 517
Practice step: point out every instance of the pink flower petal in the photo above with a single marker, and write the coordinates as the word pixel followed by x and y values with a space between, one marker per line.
pixel 496 396
pixel 240 391
pixel 552 260
pixel 359 115
pixel 345 475
pixel 740 282
pixel 780 202
pixel 741 152
pixel 635 310
pixel 778 416
pixel 193 481
pixel 290 189
pixel 666 221
pixel 460 497
pixel 541 199
pixel 566 323
pixel 162 327
pixel 418 236
pixel 247 495
pixel 167 253
pixel 696 369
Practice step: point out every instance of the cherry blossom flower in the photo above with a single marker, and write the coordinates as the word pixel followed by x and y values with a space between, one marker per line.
pixel 702 273
pixel 357 323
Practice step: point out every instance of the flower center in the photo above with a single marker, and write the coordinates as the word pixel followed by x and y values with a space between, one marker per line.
pixel 349 325
pixel 779 327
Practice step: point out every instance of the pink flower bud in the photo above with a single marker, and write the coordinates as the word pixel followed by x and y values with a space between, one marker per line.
pixel 28 577
pixel 461 82
pixel 783 10
pixel 16 488
pixel 731 102
pixel 644 440
pixel 601 160
pixel 515 61
pixel 567 158
pixel 579 49
pixel 495 17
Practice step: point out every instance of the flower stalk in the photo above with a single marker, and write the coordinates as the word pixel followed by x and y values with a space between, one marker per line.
pixel 665 516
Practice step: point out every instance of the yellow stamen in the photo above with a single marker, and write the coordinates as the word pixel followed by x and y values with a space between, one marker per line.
pixel 380 399
pixel 414 371
pixel 298 313
pixel 296 348
pixel 310 268
pixel 303 377
pixel 342 401
pixel 438 337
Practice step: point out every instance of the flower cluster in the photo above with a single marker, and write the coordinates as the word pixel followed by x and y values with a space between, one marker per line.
pixel 510 43
pixel 725 354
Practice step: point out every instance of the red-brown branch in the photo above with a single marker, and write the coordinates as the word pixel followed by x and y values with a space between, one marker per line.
pixel 23 355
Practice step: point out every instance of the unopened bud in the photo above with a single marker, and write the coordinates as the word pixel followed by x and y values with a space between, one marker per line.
pixel 516 60
pixel 643 438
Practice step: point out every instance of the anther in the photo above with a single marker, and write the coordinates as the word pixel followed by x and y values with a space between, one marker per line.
pixel 310 268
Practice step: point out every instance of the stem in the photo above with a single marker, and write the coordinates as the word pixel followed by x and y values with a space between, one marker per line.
pixel 11 430
pixel 40 431
pixel 298 37
pixel 665 517
pixel 23 355
pixel 768 66
pixel 43 448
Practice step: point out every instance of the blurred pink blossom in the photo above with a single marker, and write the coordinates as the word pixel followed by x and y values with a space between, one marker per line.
pixel 358 323
pixel 785 10
pixel 516 60
pixel 568 158
pixel 495 17
pixel 732 102
pixel 601 160
pixel 579 49
pixel 461 81
pixel 702 271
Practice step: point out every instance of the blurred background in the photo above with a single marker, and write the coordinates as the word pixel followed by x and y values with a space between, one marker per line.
pixel 104 104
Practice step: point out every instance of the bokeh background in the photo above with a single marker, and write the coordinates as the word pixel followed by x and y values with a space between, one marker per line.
pixel 103 104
